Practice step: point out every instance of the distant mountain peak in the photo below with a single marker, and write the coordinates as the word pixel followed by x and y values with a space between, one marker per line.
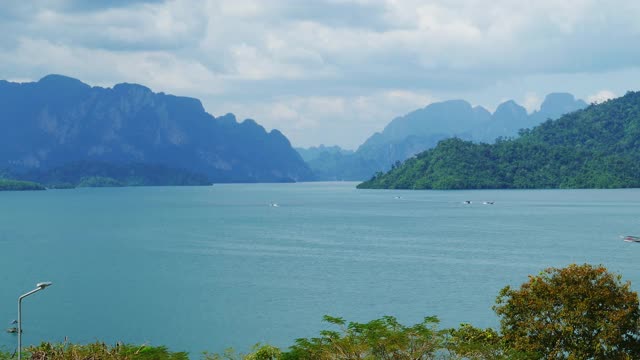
pixel 230 116
pixel 512 107
pixel 593 148
pixel 59 120
pixel 508 103
pixel 555 101
pixel 450 104
pixel 227 119
pixel 61 81
pixel 131 87
pixel 481 113
pixel 250 122
pixel 557 104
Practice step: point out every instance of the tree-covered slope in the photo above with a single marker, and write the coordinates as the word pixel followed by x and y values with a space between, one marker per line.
pixel 598 147
pixel 17 185
pixel 93 174
pixel 422 129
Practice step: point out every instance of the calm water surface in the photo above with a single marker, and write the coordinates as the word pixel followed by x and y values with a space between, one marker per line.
pixel 205 268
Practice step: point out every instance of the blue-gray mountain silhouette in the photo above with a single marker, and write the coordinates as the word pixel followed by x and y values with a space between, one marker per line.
pixel 312 153
pixel 422 129
pixel 59 120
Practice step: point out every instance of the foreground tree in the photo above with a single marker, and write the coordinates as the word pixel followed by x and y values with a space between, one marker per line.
pixel 577 312
pixel 260 352
pixel 383 338
pixel 471 343
pixel 102 351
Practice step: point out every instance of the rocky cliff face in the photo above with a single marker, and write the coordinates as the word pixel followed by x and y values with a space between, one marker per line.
pixel 59 120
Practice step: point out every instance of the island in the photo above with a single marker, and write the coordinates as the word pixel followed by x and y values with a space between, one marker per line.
pixel 17 185
pixel 597 147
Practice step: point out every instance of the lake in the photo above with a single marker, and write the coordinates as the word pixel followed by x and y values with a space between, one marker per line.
pixel 205 268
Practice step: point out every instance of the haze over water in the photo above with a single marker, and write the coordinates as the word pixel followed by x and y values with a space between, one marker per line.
pixel 205 268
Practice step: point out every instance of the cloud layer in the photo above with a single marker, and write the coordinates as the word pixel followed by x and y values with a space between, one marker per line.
pixel 330 71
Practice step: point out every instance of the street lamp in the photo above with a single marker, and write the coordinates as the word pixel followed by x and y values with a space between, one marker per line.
pixel 39 286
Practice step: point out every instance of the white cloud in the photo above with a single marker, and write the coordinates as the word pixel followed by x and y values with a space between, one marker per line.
pixel 171 25
pixel 313 120
pixel 160 71
pixel 329 70
pixel 531 102
pixel 600 97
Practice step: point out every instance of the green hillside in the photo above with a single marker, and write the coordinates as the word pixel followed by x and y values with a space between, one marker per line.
pixel 598 147
pixel 16 185
pixel 103 174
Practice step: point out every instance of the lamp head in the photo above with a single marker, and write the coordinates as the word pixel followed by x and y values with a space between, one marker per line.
pixel 43 285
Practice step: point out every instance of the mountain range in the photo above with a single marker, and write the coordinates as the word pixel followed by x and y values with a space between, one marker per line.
pixel 422 129
pixel 596 147
pixel 312 153
pixel 61 131
pixel 58 121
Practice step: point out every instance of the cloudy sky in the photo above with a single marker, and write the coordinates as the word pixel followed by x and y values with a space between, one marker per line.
pixel 330 71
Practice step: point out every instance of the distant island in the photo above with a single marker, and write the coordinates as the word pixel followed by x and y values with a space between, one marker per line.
pixel 17 185
pixel 100 174
pixel 103 174
pixel 598 147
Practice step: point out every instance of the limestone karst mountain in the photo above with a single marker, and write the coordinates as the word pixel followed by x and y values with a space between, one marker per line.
pixel 59 120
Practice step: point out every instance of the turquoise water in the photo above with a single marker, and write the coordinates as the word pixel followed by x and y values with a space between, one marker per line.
pixel 205 268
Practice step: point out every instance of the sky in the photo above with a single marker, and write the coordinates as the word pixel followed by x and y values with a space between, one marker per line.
pixel 330 72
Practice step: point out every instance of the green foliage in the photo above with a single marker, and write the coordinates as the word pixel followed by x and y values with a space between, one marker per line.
pixel 471 343
pixel 102 351
pixel 99 181
pixel 228 354
pixel 598 147
pixel 259 352
pixel 383 338
pixel 97 174
pixel 4 354
pixel 62 186
pixel 264 352
pixel 578 312
pixel 16 185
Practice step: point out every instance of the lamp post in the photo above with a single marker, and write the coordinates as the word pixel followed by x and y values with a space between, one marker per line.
pixel 39 286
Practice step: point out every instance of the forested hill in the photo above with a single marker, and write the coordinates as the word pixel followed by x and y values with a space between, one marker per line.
pixel 598 147
pixel 422 129
pixel 59 121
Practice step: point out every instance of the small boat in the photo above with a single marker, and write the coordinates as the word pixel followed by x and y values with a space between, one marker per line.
pixel 467 202
pixel 398 198
pixel 488 202
pixel 12 330
pixel 631 238
pixel 274 205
